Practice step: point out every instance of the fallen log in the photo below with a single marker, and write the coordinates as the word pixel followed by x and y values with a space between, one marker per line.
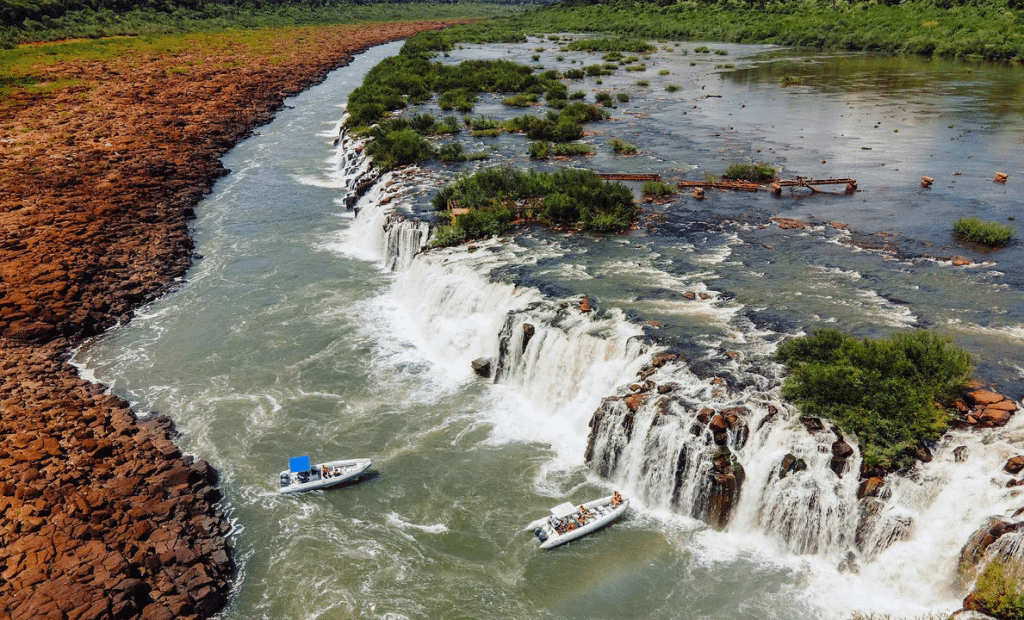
pixel 776 185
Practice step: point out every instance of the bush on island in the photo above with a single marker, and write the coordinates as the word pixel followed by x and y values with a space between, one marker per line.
pixel 891 394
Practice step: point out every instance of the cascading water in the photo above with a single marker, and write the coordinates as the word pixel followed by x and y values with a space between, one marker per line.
pixel 722 449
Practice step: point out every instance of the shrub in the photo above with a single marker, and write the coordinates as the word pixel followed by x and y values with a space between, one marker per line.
pixel 986 233
pixel 790 80
pixel 539 149
pixel 888 393
pixel 448 124
pixel 671 88
pixel 643 83
pixel 998 592
pixel 755 173
pixel 575 74
pixel 622 147
pixel 604 99
pixel 622 97
pixel 460 99
pixel 451 152
pixel 521 100
pixel 390 149
pixel 423 123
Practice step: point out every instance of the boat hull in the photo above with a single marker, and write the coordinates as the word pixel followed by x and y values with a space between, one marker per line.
pixel 604 515
pixel 349 469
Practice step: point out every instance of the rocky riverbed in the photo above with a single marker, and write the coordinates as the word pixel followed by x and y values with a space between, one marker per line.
pixel 101 167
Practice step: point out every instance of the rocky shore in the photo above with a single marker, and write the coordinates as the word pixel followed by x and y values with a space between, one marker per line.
pixel 101 516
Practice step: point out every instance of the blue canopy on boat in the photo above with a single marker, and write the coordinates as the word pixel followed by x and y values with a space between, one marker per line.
pixel 299 463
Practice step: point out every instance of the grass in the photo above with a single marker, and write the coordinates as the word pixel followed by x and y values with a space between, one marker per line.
pixel 891 394
pixel 660 189
pixel 992 234
pixel 570 149
pixel 755 173
pixel 622 147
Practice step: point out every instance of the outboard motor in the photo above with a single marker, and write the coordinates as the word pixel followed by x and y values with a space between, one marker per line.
pixel 285 480
pixel 540 534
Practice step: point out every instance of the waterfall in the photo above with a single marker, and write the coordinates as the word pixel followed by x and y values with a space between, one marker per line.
pixel 707 438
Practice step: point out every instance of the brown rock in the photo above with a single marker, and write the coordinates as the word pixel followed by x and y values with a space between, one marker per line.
pixel 993 418
pixel 984 398
pixel 634 401
pixel 1014 465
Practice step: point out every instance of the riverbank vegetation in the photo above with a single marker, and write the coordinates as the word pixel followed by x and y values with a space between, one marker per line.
pixel 491 201
pixel 892 394
pixel 972 29
pixel 24 21
pixel 980 231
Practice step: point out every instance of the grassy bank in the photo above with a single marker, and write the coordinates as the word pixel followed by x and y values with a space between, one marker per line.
pixel 990 30
pixel 30 21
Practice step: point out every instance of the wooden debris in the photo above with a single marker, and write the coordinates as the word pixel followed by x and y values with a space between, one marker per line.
pixel 625 176
pixel 775 187
pixel 1001 177
pixel 927 181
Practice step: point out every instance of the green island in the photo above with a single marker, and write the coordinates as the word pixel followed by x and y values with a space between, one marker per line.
pixel 892 394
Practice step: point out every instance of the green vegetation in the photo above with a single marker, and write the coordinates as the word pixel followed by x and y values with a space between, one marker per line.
pixel 998 590
pixel 622 147
pixel 755 173
pixel 570 149
pixel 671 88
pixel 660 189
pixel 890 393
pixel 636 46
pixel 396 144
pixel 972 29
pixel 539 149
pixel 521 100
pixel 622 97
pixel 643 83
pixel 986 233
pixel 790 80
pixel 497 196
pixel 54 20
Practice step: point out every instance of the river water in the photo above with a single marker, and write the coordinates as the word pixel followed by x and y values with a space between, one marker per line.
pixel 304 330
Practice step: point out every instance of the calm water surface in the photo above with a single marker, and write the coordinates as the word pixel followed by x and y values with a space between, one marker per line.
pixel 289 338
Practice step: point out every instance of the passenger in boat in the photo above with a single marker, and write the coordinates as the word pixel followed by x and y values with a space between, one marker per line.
pixel 584 515
pixel 324 472
pixel 616 500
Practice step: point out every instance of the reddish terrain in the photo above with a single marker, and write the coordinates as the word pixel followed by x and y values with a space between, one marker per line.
pixel 100 514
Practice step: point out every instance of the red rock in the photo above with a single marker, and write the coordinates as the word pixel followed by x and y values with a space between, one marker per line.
pixel 1014 465
pixel 634 401
pixel 990 418
pixel 984 398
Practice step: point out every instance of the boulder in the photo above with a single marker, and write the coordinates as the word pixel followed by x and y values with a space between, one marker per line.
pixel 482 367
pixel 1014 465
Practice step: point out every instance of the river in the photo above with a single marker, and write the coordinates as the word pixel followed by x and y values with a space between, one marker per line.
pixel 293 335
